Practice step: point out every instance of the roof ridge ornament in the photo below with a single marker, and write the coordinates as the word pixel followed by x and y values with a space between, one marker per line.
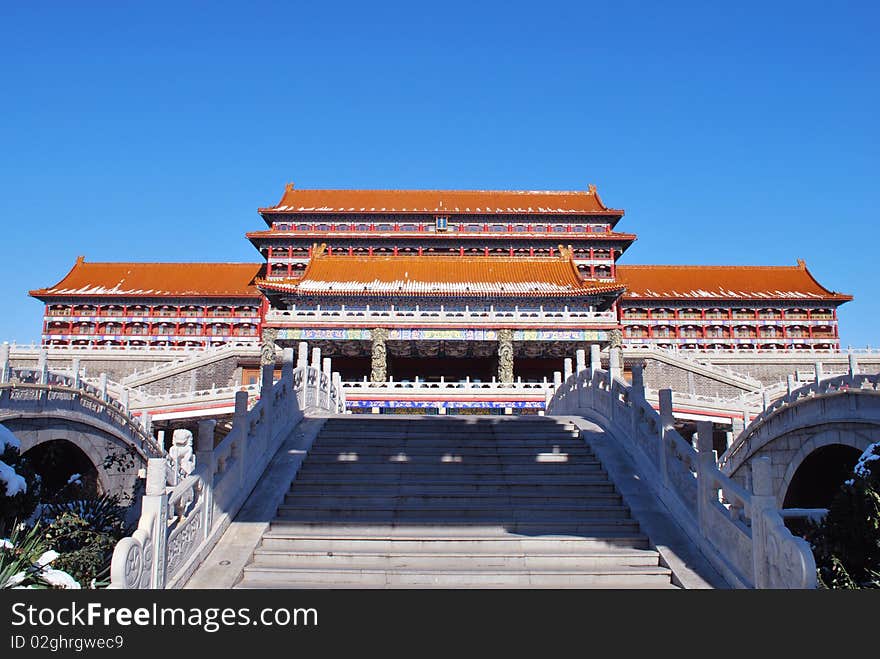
pixel 289 187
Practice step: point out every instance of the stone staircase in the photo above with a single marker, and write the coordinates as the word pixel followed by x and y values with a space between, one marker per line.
pixel 453 502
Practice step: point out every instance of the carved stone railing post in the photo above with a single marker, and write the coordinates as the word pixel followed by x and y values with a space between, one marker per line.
pixel 102 386
pixel 853 365
pixel 315 399
pixel 326 376
pixel 378 355
pixel 205 463
pixel 595 359
pixel 580 358
pixel 762 500
pixel 4 362
pixel 336 384
pixel 302 356
pixel 614 361
pixel 155 504
pixel 287 366
pixel 43 366
pixel 817 372
pixel 705 466
pixel 638 382
pixel 75 367
pixel 667 424
pixel 566 368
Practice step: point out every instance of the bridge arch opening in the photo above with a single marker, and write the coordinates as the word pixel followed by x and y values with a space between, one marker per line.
pixel 820 475
pixel 57 460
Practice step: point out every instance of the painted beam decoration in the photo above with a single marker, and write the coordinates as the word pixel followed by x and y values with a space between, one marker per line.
pixel 463 334
pixel 455 404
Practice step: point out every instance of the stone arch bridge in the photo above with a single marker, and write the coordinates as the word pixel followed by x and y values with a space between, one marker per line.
pixel 40 406
pixel 815 432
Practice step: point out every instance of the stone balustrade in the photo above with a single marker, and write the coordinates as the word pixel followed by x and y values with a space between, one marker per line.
pixel 771 422
pixel 39 391
pixel 463 386
pixel 183 516
pixel 740 532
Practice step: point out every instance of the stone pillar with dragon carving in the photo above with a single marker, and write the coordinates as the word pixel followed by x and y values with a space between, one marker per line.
pixel 267 374
pixel 615 337
pixel 378 355
pixel 505 356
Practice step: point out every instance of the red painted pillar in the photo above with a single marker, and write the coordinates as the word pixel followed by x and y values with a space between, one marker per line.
pixel 485 251
pixel 395 247
pixel 420 251
pixel 531 251
pixel 511 251
pixel 370 250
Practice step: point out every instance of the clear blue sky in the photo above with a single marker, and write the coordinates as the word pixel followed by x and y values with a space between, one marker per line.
pixel 732 133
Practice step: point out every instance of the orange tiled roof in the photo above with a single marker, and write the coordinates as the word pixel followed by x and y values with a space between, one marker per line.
pixel 440 201
pixel 433 275
pixel 156 280
pixel 696 282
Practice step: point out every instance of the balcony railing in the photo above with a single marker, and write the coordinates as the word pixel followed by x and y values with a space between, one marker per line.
pixel 452 317
pixel 629 320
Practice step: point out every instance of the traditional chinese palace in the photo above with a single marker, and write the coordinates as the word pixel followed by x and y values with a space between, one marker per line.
pixel 426 284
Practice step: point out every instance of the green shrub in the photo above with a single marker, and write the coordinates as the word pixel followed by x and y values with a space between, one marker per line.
pixel 18 557
pixel 15 503
pixel 84 532
pixel 846 543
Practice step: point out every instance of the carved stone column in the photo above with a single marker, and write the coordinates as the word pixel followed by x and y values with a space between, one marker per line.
pixel 505 356
pixel 267 350
pixel 379 365
pixel 615 337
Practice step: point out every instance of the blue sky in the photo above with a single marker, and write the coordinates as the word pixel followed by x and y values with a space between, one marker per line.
pixel 731 133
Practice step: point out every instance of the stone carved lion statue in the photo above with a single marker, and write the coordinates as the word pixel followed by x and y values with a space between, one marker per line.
pixel 181 451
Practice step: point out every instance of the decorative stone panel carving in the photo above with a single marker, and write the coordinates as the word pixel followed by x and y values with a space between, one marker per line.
pixel 505 355
pixel 378 354
pixel 267 350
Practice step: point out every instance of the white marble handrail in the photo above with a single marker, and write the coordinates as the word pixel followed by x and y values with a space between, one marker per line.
pixel 182 519
pixel 740 532
pixel 761 426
